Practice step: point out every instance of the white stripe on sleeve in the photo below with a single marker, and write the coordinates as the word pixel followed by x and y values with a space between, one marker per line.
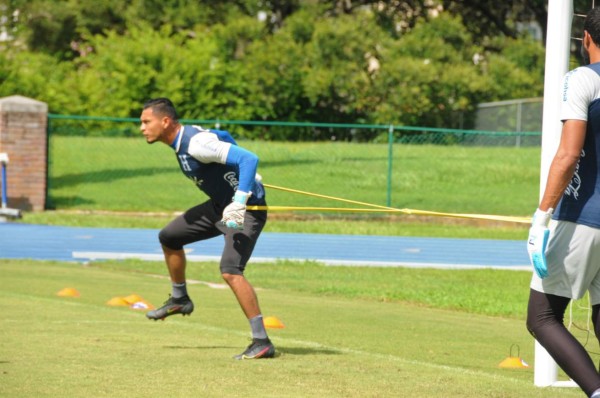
pixel 207 148
pixel 581 87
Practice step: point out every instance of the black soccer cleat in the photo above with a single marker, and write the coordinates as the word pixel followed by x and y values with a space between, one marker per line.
pixel 260 348
pixel 172 306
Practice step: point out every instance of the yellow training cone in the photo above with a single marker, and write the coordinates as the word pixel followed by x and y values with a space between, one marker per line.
pixel 68 292
pixel 513 362
pixel 272 322
pixel 132 298
pixel 117 301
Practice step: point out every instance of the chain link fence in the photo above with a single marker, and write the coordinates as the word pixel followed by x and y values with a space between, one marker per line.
pixel 101 163
pixel 514 117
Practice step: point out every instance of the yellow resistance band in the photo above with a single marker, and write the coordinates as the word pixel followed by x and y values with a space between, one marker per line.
pixel 379 209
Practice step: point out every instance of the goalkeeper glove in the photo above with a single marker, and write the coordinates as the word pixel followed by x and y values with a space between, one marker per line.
pixel 233 214
pixel 538 241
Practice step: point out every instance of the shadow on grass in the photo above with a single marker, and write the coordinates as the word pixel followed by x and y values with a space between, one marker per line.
pixel 208 347
pixel 289 162
pixel 108 175
pixel 67 201
pixel 306 351
pixel 296 162
pixel 279 350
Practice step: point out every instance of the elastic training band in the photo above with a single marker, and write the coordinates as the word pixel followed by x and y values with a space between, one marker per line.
pixel 379 209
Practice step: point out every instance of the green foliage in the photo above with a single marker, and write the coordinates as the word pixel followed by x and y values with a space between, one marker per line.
pixel 337 77
pixel 124 71
pixel 36 75
pixel 219 61
pixel 442 39
pixel 182 15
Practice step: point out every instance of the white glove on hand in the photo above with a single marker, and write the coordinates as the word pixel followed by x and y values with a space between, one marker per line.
pixel 233 214
pixel 538 241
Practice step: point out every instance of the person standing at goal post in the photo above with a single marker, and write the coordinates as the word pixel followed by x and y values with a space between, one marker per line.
pixel 226 173
pixel 565 252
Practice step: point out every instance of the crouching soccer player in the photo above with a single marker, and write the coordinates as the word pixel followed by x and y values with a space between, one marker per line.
pixel 226 173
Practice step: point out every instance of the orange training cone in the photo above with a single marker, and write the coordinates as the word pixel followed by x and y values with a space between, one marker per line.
pixel 68 292
pixel 272 322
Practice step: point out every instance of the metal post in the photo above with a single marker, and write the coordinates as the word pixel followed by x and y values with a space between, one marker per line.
pixel 4 162
pixel 390 156
pixel 5 212
pixel 519 122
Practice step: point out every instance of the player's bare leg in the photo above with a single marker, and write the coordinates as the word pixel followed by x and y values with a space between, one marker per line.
pixel 261 346
pixel 245 294
pixel 179 302
pixel 176 263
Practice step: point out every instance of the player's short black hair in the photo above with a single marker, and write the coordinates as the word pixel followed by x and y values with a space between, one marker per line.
pixel 163 107
pixel 592 24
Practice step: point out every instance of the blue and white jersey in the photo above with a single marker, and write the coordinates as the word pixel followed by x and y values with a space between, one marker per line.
pixel 580 202
pixel 217 165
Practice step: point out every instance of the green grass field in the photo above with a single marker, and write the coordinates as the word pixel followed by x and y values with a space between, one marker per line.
pixel 350 331
pixel 129 175
pixel 424 333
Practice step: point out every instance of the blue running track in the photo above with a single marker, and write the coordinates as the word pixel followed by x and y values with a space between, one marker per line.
pixel 26 241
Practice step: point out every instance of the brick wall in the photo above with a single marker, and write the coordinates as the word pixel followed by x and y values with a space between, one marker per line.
pixel 23 137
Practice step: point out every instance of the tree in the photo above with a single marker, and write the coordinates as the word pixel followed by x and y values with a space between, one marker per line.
pixel 428 77
pixel 61 28
pixel 343 66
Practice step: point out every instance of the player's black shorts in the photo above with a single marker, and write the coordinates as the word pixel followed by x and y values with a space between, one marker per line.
pixel 204 222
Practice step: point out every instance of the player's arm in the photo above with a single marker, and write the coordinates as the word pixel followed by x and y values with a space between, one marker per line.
pixel 559 175
pixel 247 163
pixel 579 89
pixel 207 148
pixel 564 163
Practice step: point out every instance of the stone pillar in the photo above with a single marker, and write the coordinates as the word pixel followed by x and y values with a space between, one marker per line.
pixel 23 137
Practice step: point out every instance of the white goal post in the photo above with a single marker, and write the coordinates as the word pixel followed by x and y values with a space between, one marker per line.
pixel 558 46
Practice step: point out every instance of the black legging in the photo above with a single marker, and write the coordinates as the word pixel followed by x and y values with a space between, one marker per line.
pixel 545 314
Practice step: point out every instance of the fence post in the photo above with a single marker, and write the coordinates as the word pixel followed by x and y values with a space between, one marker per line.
pixel 519 122
pixel 390 157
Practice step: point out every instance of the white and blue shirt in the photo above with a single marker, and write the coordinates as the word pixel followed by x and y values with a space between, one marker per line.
pixel 217 165
pixel 580 202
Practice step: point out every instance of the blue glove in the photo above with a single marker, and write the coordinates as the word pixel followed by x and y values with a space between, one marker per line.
pixel 538 241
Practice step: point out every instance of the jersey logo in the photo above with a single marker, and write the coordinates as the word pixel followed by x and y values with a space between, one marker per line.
pixel 575 184
pixel 184 163
pixel 196 180
pixel 231 179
